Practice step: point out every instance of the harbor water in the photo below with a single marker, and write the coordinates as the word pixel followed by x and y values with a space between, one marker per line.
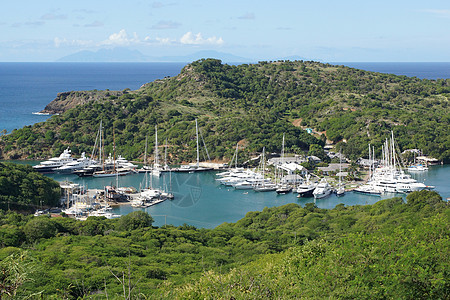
pixel 202 202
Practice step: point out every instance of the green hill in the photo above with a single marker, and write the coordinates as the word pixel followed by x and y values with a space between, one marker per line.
pixel 390 249
pixel 253 104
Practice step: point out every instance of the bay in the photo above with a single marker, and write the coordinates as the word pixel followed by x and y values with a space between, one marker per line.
pixel 202 202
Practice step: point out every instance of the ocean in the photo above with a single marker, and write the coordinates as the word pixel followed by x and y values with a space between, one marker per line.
pixel 422 70
pixel 28 87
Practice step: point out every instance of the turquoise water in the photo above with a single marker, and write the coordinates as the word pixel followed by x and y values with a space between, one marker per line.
pixel 200 201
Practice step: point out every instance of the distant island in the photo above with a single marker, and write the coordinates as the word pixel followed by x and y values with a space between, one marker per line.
pixel 120 54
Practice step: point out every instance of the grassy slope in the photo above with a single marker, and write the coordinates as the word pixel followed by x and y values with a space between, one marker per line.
pixel 257 103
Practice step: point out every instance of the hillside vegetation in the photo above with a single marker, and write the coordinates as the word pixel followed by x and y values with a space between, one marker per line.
pixel 390 249
pixel 254 105
pixel 23 189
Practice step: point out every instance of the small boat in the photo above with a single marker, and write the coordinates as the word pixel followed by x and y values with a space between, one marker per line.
pixel 417 168
pixel 340 191
pixel 112 173
pixel 267 187
pixel 369 189
pixel 284 189
pixel 139 202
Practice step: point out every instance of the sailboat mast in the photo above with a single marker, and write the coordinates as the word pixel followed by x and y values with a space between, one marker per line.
pixel 198 153
pixel 236 162
pixel 263 167
pixel 156 147
pixel 114 149
pixel 101 147
pixel 165 156
pixel 393 151
pixel 340 167
pixel 145 153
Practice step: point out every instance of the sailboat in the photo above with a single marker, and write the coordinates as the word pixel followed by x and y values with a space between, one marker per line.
pixel 116 170
pixel 262 185
pixel 156 170
pixel 417 167
pixel 390 178
pixel 196 167
pixel 167 193
pixel 145 168
pixel 97 166
pixel 340 191
pixel 283 188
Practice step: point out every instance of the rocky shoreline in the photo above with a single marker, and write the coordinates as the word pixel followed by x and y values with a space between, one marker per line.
pixel 67 100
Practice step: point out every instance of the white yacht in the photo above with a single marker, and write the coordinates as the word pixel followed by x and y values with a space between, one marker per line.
pixel 322 190
pixel 369 189
pixel 390 178
pixel 307 188
pixel 78 164
pixel 244 185
pixel 53 163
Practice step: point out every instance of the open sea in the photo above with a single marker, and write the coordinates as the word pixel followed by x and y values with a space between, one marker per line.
pixel 28 87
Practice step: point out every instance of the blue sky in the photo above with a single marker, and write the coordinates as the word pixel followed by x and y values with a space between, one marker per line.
pixel 330 31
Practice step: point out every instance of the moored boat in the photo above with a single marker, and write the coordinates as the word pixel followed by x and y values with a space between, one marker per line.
pixel 53 163
pixel 322 190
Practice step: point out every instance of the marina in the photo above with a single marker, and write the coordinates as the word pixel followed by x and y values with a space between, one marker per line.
pixel 201 201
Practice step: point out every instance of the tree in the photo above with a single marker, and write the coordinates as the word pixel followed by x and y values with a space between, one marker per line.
pixel 317 150
pixel 135 220
pixel 40 227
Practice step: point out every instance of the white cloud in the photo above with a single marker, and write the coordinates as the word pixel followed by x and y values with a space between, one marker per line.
pixel 121 39
pixel 164 41
pixel 197 39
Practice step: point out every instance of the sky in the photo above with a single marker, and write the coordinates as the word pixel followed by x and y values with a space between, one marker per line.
pixel 322 30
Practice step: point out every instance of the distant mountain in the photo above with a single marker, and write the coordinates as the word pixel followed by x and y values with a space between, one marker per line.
pixel 128 55
pixel 106 55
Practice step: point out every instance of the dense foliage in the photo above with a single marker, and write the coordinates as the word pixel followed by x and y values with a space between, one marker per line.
pixel 254 105
pixel 390 249
pixel 23 188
